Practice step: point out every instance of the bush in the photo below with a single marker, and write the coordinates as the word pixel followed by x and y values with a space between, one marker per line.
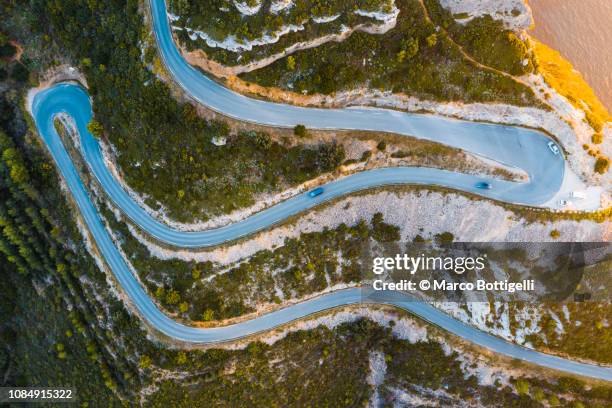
pixel 569 384
pixel 20 73
pixel 95 128
pixel 597 138
pixel 432 40
pixel 554 234
pixel 262 139
pixel 290 63
pixel 408 49
pixel 366 155
pixel 7 50
pixel 382 145
pixel 208 315
pixel 444 238
pixel 300 130
pixel 522 387
pixel 145 362
pixel 330 156
pixel 538 394
pixel 383 232
pixel 400 154
pixel 601 165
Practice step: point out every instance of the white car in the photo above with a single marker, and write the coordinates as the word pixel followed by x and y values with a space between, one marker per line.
pixel 553 148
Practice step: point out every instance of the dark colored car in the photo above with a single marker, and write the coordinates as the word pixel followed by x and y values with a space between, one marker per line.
pixel 317 191
pixel 483 185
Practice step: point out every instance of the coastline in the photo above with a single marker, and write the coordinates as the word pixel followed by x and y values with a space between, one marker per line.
pixel 579 30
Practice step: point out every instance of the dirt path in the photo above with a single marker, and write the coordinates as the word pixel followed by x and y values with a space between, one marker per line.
pixel 19 53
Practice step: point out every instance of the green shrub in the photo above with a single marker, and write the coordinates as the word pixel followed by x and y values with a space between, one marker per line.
pixel 144 362
pixel 597 138
pixel 602 164
pixel 432 40
pixel 300 130
pixel 522 386
pixel 19 72
pixel 383 232
pixel 7 50
pixel 444 238
pixel 366 155
pixel 95 128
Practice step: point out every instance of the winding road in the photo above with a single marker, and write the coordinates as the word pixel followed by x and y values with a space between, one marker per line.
pixel 524 148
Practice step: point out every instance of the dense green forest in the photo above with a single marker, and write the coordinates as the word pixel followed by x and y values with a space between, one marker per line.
pixel 46 310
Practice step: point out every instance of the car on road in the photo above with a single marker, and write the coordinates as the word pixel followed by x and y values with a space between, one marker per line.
pixel 317 191
pixel 553 148
pixel 483 185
